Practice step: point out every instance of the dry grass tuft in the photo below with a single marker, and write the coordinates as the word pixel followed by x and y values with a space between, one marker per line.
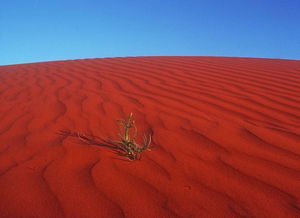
pixel 127 144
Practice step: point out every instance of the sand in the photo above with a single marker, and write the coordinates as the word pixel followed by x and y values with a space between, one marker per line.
pixel 226 138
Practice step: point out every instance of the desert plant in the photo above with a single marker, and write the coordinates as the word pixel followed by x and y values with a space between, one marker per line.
pixel 127 144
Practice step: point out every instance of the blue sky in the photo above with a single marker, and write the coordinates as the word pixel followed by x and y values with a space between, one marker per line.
pixel 45 30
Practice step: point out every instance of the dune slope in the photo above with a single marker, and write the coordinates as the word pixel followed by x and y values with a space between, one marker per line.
pixel 226 138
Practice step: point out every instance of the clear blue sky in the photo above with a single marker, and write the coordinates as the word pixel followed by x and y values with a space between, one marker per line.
pixel 44 30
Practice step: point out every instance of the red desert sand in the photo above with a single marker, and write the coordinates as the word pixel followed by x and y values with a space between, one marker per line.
pixel 225 138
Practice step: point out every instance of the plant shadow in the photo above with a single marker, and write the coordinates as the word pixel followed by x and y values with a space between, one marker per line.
pixel 95 140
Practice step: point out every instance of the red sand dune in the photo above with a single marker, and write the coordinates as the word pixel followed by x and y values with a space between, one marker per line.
pixel 226 138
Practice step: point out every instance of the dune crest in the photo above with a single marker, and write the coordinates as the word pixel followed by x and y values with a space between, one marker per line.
pixel 225 133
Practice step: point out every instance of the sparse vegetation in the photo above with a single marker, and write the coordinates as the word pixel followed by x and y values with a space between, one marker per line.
pixel 127 144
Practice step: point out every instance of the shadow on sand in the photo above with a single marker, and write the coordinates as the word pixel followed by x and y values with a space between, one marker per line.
pixel 98 141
